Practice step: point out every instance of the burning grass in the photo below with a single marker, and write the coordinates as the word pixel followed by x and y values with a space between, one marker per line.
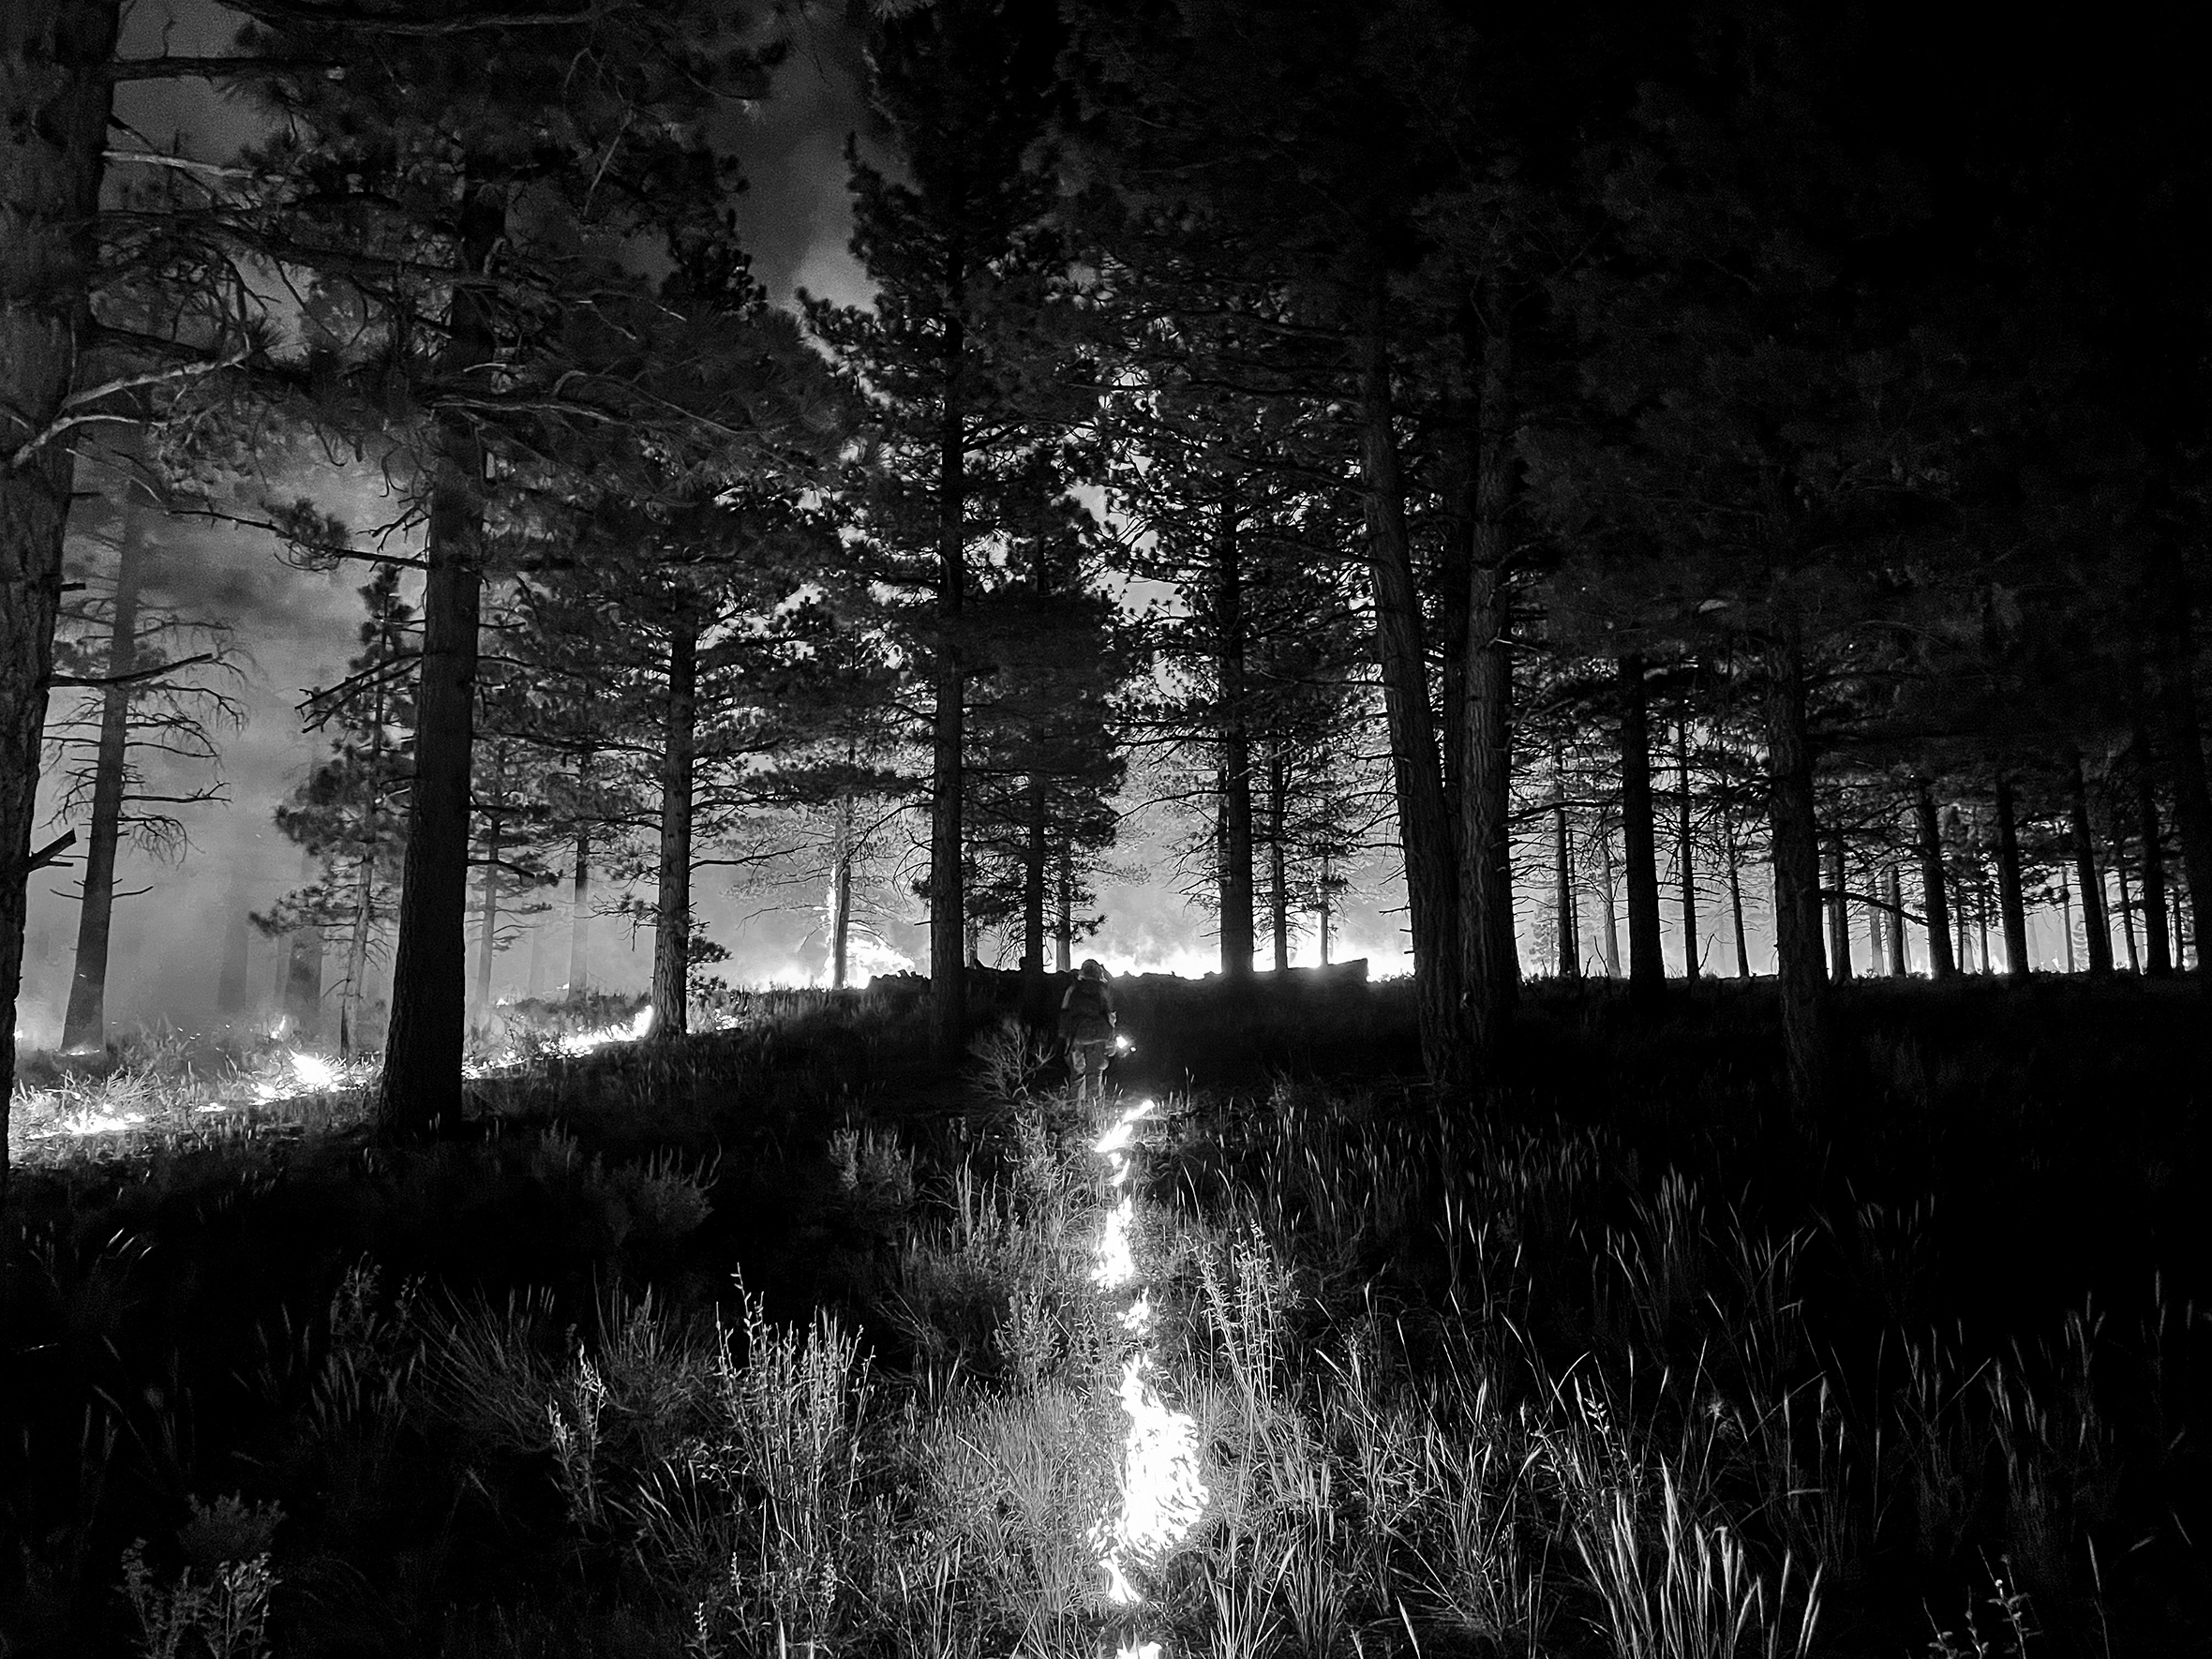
pixel 1314 1368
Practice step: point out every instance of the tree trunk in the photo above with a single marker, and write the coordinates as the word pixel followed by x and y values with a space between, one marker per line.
pixel 2184 733
pixel 421 1089
pixel 1036 856
pixel 1647 965
pixel 495 824
pixel 1839 915
pixel 2096 934
pixel 672 902
pixel 1941 963
pixel 1424 832
pixel 1562 878
pixel 1279 883
pixel 84 1028
pixel 230 996
pixel 349 1001
pixel 1612 939
pixel 2011 906
pixel 580 915
pixel 1900 964
pixel 56 94
pixel 948 887
pixel 367 828
pixel 2158 944
pixel 1322 906
pixel 1874 943
pixel 2119 868
pixel 1796 835
pixel 1489 955
pixel 1235 893
pixel 303 969
pixel 1736 893
pixel 841 892
pixel 2066 918
pixel 1064 916
pixel 1685 863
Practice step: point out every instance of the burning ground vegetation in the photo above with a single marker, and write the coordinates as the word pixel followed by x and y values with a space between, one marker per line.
pixel 774 1341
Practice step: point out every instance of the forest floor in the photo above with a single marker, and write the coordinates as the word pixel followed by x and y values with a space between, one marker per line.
pixel 781 1340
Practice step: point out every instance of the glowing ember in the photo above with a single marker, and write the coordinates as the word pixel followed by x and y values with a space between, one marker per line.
pixel 642 1026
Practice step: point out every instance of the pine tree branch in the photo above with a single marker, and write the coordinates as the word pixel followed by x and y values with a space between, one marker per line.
pixel 213 68
pixel 50 854
pixel 154 673
pixel 67 422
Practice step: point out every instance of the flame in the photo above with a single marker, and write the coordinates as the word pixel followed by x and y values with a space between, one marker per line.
pixel 102 1123
pixel 314 1071
pixel 1116 1267
pixel 1163 1494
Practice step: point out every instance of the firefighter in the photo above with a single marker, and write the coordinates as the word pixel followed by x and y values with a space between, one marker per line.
pixel 1087 1022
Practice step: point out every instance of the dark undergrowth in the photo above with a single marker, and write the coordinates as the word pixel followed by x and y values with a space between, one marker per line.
pixel 783 1337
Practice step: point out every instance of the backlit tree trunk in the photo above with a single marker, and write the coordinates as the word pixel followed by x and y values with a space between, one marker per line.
pixel 357 956
pixel 2011 906
pixel 1736 893
pixel 1489 952
pixel 1035 861
pixel 1424 832
pixel 1933 899
pixel 421 1088
pixel 2119 869
pixel 2158 944
pixel 2184 734
pixel 367 829
pixel 230 996
pixel 841 896
pixel 303 969
pixel 1563 877
pixel 1605 854
pixel 1064 916
pixel 1647 967
pixel 1839 915
pixel 2096 934
pixel 495 824
pixel 1685 860
pixel 948 888
pixel 1279 886
pixel 1796 836
pixel 1894 892
pixel 579 914
pixel 1236 748
pixel 672 900
pixel 54 102
pixel 84 1028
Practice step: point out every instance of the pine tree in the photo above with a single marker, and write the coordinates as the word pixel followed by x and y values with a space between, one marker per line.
pixel 350 815
pixel 962 360
pixel 161 683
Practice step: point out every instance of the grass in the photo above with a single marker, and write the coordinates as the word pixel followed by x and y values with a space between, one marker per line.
pixel 774 1343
